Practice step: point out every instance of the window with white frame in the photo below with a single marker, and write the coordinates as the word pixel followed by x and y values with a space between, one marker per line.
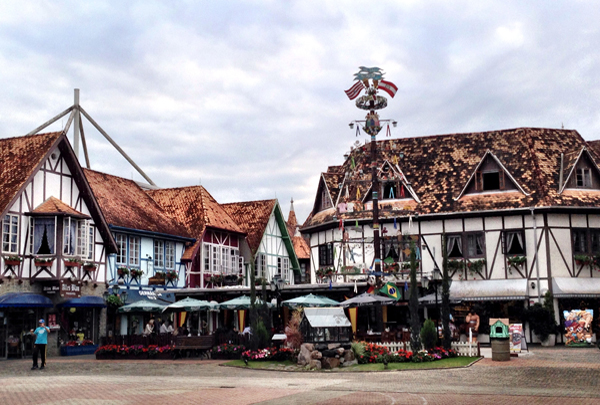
pixel 260 265
pixel 206 256
pixel 10 233
pixel 220 259
pixel 83 232
pixel 286 268
pixel 170 255
pixel 279 266
pixel 134 251
pixel 159 254
pixel 121 241
pixel 225 260
pixel 44 235
pixel 69 236
pixel 90 242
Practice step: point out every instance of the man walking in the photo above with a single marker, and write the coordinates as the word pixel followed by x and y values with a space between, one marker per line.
pixel 41 340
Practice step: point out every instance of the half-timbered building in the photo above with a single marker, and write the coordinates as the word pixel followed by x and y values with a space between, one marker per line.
pixel 55 243
pixel 519 210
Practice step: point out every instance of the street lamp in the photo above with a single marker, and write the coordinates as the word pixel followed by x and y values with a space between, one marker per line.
pixel 277 284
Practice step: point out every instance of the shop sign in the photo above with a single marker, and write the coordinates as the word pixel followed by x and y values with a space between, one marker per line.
pixel 51 289
pixel 69 289
pixel 516 336
pixel 578 327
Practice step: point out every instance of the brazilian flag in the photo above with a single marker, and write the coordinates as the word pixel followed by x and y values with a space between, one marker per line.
pixel 391 291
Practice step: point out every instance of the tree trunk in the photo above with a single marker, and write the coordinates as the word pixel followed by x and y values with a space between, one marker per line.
pixel 415 322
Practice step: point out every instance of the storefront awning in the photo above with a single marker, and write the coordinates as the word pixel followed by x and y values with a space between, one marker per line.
pixel 24 300
pixel 326 317
pixel 159 296
pixel 84 302
pixel 570 287
pixel 488 290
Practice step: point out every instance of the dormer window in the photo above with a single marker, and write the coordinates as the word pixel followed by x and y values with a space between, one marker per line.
pixel 325 200
pixel 584 178
pixel 490 180
pixel 390 191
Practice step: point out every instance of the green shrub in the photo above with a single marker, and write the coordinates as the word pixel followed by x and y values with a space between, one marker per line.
pixel 429 335
pixel 262 335
pixel 358 348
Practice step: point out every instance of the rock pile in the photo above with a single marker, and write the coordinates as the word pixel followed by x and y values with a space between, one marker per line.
pixel 326 356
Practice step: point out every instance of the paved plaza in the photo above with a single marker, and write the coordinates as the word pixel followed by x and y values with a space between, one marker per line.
pixel 549 376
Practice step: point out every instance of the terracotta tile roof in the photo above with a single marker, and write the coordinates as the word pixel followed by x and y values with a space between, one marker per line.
pixel 18 159
pixel 195 208
pixel 439 167
pixel 291 223
pixel 301 247
pixel 54 206
pixel 252 217
pixel 125 204
pixel 594 146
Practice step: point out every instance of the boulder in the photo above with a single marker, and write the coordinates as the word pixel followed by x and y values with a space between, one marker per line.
pixel 347 346
pixel 341 361
pixel 305 354
pixel 350 363
pixel 315 364
pixel 332 346
pixel 348 355
pixel 330 362
pixel 329 353
pixel 320 346
pixel 340 351
pixel 316 355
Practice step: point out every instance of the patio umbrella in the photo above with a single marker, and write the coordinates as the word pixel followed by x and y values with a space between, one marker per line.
pixel 367 300
pixel 242 302
pixel 189 305
pixel 142 306
pixel 310 300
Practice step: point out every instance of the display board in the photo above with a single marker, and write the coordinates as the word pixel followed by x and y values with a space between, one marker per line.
pixel 516 337
pixel 578 327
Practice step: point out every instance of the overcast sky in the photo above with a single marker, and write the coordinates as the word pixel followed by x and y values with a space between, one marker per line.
pixel 246 97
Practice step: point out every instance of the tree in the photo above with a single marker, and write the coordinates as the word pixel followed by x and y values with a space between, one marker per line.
pixel 259 314
pixel 413 303
pixel 445 296
pixel 429 334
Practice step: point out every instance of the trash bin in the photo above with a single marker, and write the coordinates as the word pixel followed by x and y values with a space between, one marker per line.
pixel 499 336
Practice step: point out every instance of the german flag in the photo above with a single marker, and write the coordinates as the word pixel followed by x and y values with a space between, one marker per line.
pixel 391 291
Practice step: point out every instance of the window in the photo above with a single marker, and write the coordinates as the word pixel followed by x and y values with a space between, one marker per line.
pixel 286 268
pixel 454 246
pixel 325 200
pixel 44 236
pixel 489 180
pixel 586 241
pixel 390 191
pixel 279 266
pixel 69 236
pixel 206 255
pixel 170 255
pixel 475 244
pixel 260 265
pixel 584 178
pixel 83 234
pixel 216 259
pixel 221 259
pixel 326 255
pixel 159 254
pixel 121 241
pixel 513 242
pixel 10 233
pixel 225 262
pixel 134 251
pixel 91 232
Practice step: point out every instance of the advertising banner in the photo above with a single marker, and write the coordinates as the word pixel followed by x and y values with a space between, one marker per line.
pixel 578 327
pixel 516 336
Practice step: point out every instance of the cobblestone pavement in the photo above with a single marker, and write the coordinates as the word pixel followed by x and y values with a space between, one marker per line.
pixel 548 376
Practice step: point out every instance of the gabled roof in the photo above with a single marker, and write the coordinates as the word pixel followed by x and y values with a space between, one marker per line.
pixel 572 160
pixel 499 163
pixel 195 208
pixel 19 159
pixel 54 206
pixel 124 204
pixel 594 147
pixel 252 217
pixel 438 167
pixel 301 247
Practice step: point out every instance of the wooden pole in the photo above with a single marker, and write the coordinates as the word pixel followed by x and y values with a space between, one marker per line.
pixel 69 121
pixel 83 143
pixel 117 147
pixel 51 121
pixel 76 126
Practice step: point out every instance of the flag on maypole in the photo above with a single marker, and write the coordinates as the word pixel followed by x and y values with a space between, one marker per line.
pixel 355 90
pixel 389 87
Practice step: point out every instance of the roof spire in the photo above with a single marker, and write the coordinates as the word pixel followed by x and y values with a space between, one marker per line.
pixel 292 204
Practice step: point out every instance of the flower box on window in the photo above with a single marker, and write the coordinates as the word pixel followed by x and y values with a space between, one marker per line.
pixel 171 275
pixel 136 273
pixel 72 262
pixel 43 261
pixel 90 267
pixel 122 271
pixel 159 278
pixel 12 260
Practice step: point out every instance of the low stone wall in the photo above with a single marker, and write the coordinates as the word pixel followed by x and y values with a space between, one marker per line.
pixel 326 356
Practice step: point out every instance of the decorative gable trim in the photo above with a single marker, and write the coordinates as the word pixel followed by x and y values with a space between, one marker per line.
pixel 502 167
pixel 574 166
pixel 322 183
pixel 287 239
pixel 400 176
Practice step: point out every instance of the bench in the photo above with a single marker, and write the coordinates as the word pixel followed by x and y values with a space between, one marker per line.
pixel 199 345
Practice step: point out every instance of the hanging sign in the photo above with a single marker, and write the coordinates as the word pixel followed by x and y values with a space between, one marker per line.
pixel 69 289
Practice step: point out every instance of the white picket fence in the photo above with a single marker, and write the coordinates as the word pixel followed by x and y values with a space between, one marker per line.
pixel 462 348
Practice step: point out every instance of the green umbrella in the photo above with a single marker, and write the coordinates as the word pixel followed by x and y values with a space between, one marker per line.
pixel 242 302
pixel 189 305
pixel 142 306
pixel 310 300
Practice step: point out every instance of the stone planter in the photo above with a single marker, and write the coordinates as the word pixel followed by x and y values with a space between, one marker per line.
pixel 550 342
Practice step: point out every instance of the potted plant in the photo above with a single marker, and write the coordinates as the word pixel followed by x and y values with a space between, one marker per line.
pixel 72 262
pixel 136 273
pixel 122 271
pixel 475 266
pixel 43 261
pixel 12 260
pixel 171 275
pixel 583 260
pixel 515 262
pixel 240 279
pixel 541 320
pixel 90 267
